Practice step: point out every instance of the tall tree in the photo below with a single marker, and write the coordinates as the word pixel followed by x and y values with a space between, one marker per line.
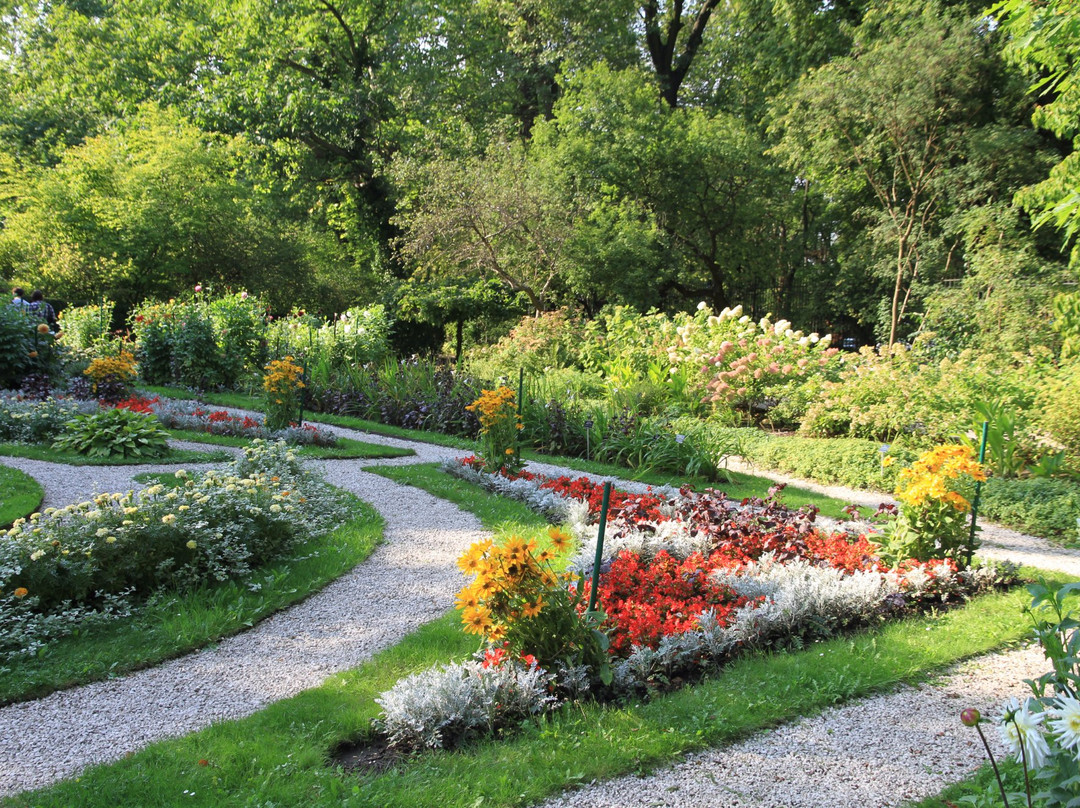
pixel 886 123
pixel 1044 38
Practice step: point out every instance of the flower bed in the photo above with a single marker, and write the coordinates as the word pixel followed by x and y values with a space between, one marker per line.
pixel 63 569
pixel 688 579
pixel 186 415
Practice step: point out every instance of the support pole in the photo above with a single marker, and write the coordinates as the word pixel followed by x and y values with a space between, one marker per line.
pixel 978 491
pixel 599 545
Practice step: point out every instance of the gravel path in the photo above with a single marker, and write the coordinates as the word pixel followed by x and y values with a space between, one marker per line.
pixel 407 581
pixel 871 753
pixel 876 752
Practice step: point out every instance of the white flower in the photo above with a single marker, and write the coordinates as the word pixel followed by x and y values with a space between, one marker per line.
pixel 1020 726
pixel 702 306
pixel 1065 722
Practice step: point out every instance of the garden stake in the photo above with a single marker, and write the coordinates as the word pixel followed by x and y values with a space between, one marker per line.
pixel 599 546
pixel 520 409
pixel 303 392
pixel 978 490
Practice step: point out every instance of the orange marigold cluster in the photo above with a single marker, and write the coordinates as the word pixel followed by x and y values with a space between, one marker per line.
pixel 122 367
pixel 283 376
pixel 495 406
pixel 510 582
pixel 936 474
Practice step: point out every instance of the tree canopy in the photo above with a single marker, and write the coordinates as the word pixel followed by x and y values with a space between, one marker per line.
pixel 841 164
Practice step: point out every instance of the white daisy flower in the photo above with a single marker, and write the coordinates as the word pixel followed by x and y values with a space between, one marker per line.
pixel 1065 723
pixel 1021 726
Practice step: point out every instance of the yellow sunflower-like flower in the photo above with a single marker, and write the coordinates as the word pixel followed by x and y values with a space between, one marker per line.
pixel 477 620
pixel 467 599
pixel 560 541
pixel 533 609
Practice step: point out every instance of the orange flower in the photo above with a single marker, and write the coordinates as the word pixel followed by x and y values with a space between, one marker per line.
pixel 21 592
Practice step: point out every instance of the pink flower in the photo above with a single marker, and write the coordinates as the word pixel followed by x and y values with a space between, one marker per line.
pixel 198 287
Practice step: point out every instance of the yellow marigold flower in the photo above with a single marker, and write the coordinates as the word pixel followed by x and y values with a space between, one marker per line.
pixel 191 545
pixel 110 540
pixel 21 592
pixel 470 563
pixel 168 518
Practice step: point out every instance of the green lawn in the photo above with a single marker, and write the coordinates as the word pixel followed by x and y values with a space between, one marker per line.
pixel 175 625
pixel 46 453
pixel 20 495
pixel 344 449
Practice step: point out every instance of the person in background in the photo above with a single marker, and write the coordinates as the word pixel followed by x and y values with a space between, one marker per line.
pixel 40 307
pixel 18 299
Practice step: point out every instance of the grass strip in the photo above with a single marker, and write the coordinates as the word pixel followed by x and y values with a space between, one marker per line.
pixel 279 755
pixel 344 449
pixel 50 455
pixel 178 624
pixel 22 495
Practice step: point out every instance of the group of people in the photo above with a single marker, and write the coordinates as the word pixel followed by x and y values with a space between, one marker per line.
pixel 36 306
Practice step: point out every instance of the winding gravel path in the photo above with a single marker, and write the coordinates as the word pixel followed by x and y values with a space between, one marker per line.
pixel 874 752
pixel 408 580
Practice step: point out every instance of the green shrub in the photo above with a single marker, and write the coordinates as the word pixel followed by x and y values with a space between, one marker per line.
pixel 1058 409
pixel 905 396
pixel 1044 507
pixel 15 346
pixel 86 327
pixel 833 461
pixel 114 433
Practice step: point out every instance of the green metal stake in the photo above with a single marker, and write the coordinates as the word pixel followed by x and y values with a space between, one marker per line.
pixel 520 406
pixel 978 491
pixel 303 392
pixel 599 545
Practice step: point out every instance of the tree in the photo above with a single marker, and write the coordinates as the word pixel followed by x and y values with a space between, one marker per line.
pixel 1044 38
pixel 149 209
pixel 694 182
pixel 492 215
pixel 887 122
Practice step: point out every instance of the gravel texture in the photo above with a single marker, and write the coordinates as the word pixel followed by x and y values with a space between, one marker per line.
pixel 876 752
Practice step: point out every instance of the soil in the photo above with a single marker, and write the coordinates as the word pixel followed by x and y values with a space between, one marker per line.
pixel 369 756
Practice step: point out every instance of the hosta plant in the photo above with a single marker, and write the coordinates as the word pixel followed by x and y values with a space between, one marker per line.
pixel 114 433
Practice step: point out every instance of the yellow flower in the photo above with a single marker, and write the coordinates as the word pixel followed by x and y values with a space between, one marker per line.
pixel 191 545
pixel 168 518
pixel 560 541
pixel 467 599
pixel 21 592
pixel 532 609
pixel 477 620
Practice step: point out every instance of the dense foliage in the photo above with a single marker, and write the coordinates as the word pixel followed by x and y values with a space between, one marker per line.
pixel 461 162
